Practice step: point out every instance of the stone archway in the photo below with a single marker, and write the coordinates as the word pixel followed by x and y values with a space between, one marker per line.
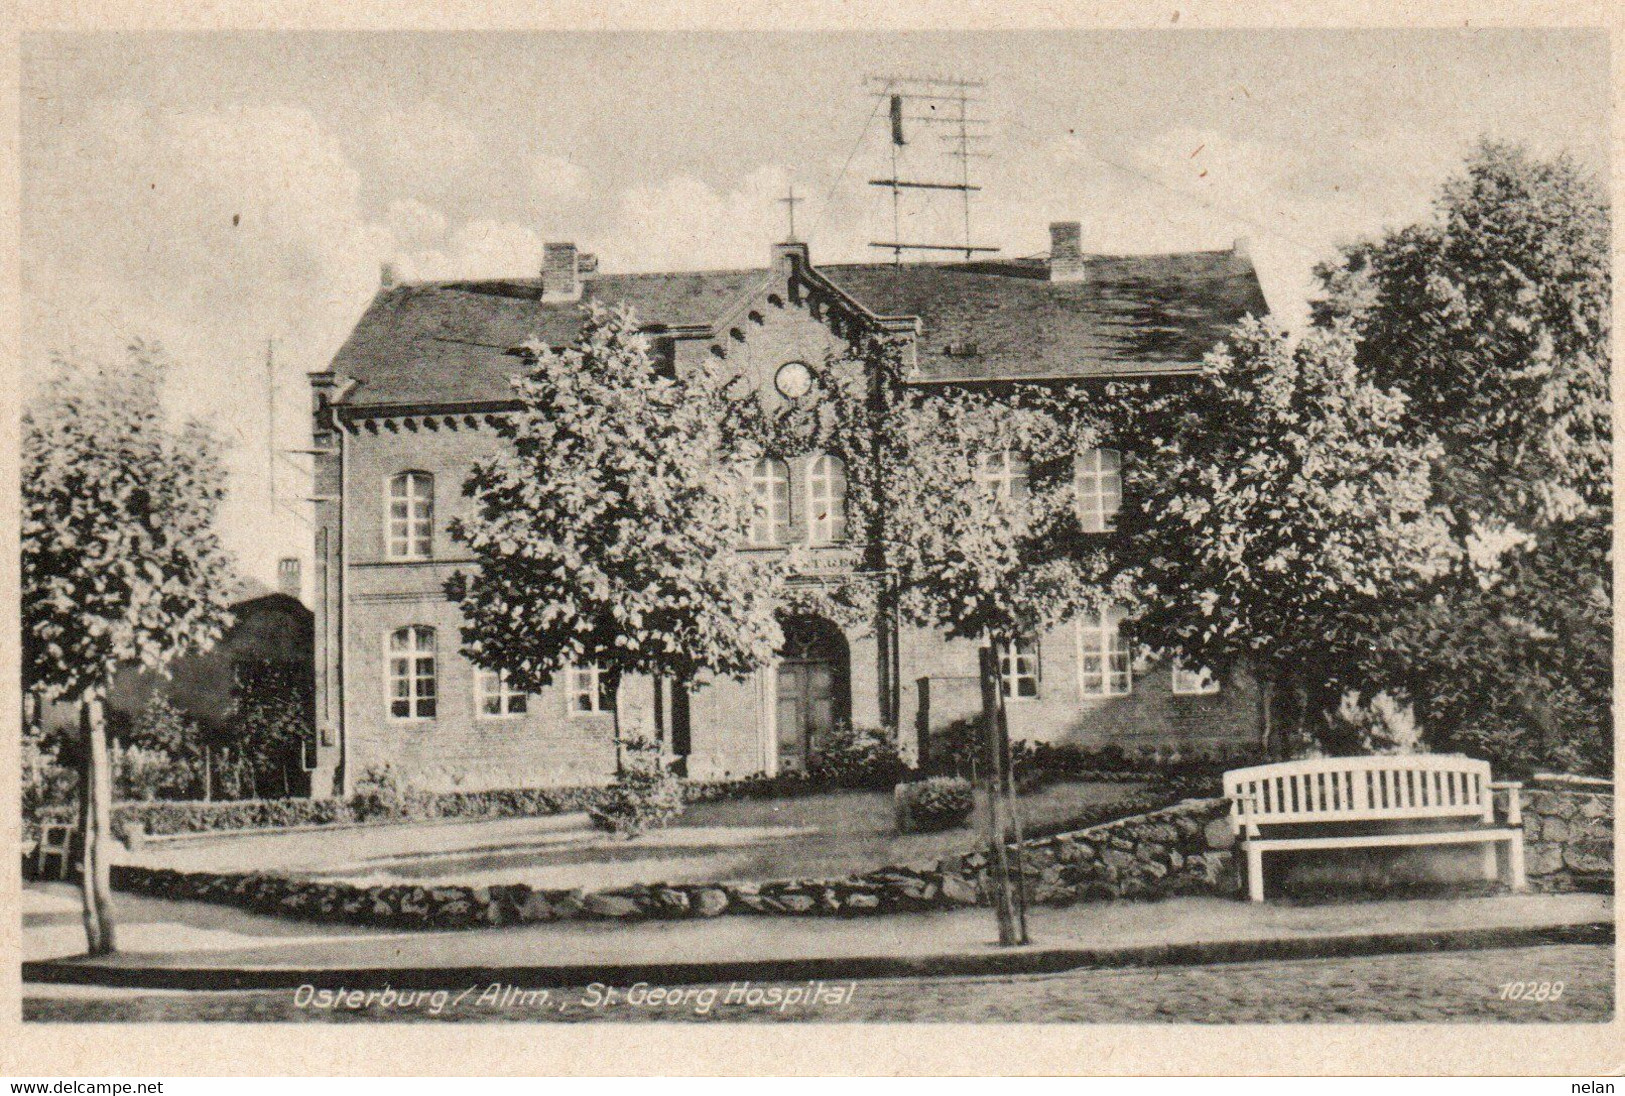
pixel 814 689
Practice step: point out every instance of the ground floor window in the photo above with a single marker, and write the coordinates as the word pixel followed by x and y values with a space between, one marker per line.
pixel 412 691
pixel 590 690
pixel 1194 682
pixel 1103 660
pixel 1018 669
pixel 495 697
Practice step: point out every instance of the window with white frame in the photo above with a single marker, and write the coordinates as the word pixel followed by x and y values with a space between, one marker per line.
pixel 770 493
pixel 1099 482
pixel 411 684
pixel 1004 474
pixel 1103 658
pixel 1018 669
pixel 495 697
pixel 826 499
pixel 590 690
pixel 411 516
pixel 1194 682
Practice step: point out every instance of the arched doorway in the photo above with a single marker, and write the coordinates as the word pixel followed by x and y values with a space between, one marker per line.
pixel 814 689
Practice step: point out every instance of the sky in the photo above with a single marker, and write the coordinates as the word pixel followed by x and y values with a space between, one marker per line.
pixel 232 196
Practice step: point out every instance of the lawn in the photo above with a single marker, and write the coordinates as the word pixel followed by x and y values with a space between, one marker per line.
pixel 811 836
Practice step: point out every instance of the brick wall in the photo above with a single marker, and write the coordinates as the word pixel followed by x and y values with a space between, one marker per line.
pixel 1151 717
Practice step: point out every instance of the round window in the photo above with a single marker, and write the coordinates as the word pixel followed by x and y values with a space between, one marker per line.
pixel 793 380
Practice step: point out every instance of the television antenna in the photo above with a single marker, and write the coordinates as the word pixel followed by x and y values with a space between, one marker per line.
pixel 924 95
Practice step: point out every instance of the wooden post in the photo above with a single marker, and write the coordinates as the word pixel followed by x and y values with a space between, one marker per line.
pixel 96 802
pixel 1004 902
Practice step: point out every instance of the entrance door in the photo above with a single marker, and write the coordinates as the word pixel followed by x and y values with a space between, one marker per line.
pixel 811 680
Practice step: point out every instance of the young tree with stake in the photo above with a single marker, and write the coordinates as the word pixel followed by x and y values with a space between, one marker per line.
pixel 121 565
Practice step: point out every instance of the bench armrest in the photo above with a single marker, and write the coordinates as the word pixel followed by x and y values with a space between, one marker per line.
pixel 1514 802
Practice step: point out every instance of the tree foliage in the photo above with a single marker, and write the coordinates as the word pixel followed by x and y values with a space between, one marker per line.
pixel 1494 319
pixel 121 564
pixel 1276 508
pixel 975 551
pixel 606 529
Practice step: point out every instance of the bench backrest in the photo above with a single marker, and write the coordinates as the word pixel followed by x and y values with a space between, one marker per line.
pixel 1337 789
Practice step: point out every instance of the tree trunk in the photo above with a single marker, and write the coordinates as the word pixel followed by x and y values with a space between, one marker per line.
pixel 208 773
pixel 1012 811
pixel 1266 695
pixel 96 800
pixel 1004 899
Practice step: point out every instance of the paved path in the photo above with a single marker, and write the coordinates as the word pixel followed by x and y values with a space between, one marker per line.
pixel 158 935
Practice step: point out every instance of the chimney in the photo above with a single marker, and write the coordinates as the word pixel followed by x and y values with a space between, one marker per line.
pixel 1066 252
pixel 288 577
pixel 386 275
pixel 786 255
pixel 561 277
pixel 1241 253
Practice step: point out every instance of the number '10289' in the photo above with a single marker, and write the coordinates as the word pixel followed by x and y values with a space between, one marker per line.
pixel 1531 991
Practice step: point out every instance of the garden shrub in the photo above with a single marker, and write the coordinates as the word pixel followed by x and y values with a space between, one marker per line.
pixel 645 793
pixel 857 757
pixel 935 803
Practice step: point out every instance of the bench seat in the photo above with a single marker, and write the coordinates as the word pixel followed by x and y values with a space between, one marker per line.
pixel 1372 802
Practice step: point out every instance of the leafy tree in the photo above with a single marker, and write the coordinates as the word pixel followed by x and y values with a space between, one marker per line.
pixel 1518 669
pixel 1494 319
pixel 981 535
pixel 1276 508
pixel 121 565
pixel 606 530
pixel 273 718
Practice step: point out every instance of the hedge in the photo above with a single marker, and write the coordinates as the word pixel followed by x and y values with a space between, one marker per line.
pixel 164 818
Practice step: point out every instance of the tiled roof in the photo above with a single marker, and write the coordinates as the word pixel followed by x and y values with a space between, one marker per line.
pixel 448 342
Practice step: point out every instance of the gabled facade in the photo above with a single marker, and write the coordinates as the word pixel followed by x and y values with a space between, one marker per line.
pixel 409 405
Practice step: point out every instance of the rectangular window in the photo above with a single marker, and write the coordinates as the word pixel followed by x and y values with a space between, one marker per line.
pixel 495 697
pixel 411 516
pixel 1194 682
pixel 412 693
pixel 1103 660
pixel 1018 670
pixel 1099 484
pixel 1003 475
pixel 590 691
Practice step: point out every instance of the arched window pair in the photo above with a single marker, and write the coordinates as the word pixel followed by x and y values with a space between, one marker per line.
pixel 826 501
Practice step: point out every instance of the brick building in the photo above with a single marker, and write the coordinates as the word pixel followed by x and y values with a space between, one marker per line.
pixel 408 405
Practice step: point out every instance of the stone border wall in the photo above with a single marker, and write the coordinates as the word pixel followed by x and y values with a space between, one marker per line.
pixel 1568 834
pixel 1164 852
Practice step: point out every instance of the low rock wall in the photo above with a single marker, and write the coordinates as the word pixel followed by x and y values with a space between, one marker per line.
pixel 1161 853
pixel 1568 834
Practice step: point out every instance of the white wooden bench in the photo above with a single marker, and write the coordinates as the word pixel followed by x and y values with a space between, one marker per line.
pixel 1331 791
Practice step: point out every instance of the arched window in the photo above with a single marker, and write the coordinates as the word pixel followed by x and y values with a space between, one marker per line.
pixel 770 492
pixel 411 682
pixel 826 500
pixel 411 516
pixel 1004 474
pixel 1099 481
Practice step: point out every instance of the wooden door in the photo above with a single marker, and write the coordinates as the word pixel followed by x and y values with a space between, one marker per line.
pixel 792 717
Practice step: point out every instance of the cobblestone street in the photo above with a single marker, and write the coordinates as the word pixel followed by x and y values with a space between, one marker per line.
pixel 1442 987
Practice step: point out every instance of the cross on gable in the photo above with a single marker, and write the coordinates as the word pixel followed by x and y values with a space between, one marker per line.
pixel 791 201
